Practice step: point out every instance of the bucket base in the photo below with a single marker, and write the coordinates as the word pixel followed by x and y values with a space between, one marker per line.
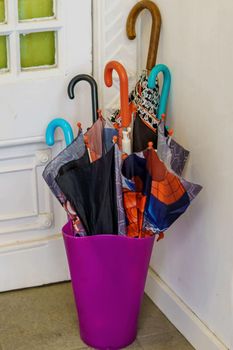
pixel 107 347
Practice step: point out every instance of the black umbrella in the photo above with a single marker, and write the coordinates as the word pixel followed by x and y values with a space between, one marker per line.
pixel 91 190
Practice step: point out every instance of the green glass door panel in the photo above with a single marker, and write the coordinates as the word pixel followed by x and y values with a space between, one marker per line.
pixel 2 11
pixel 37 49
pixel 3 52
pixel 29 9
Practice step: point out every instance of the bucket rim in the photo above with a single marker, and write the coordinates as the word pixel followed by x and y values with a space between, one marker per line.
pixel 102 236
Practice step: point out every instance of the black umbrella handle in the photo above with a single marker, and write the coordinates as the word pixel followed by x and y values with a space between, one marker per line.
pixel 94 92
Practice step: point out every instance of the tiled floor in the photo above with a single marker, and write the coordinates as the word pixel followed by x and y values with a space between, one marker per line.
pixel 44 318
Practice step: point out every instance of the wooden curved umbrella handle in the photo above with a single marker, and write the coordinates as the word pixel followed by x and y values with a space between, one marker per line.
pixel 155 29
pixel 166 86
pixel 124 89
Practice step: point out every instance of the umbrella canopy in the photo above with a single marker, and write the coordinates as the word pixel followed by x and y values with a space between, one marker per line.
pixel 109 133
pixel 92 192
pixel 172 153
pixel 146 122
pixel 161 196
pixel 75 151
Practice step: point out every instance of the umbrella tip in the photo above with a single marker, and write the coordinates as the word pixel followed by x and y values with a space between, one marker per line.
pixel 85 138
pixel 150 145
pixel 79 125
pixel 99 112
pixel 163 116
pixel 160 236
pixel 114 139
pixel 170 132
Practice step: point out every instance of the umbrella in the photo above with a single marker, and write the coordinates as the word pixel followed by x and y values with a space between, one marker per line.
pixel 91 190
pixel 100 137
pixel 172 153
pixel 145 129
pixel 145 100
pixel 76 168
pixel 161 195
pixel 75 150
pixel 109 130
pixel 83 149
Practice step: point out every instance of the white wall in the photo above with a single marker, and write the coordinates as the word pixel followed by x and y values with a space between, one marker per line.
pixel 196 257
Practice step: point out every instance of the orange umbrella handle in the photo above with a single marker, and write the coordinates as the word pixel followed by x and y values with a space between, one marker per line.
pixel 155 29
pixel 124 90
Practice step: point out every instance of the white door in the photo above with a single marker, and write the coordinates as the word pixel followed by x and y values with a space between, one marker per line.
pixel 43 44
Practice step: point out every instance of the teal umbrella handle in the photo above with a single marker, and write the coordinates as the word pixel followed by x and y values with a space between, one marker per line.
pixel 166 86
pixel 59 123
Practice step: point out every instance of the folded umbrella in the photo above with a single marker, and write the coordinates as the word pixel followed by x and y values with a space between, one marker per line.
pixel 146 100
pixel 51 169
pixel 100 138
pixel 165 196
pixel 172 153
pixel 145 130
pixel 91 190
pixel 75 151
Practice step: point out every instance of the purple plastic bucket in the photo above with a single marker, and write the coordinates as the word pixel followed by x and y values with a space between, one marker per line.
pixel 108 275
